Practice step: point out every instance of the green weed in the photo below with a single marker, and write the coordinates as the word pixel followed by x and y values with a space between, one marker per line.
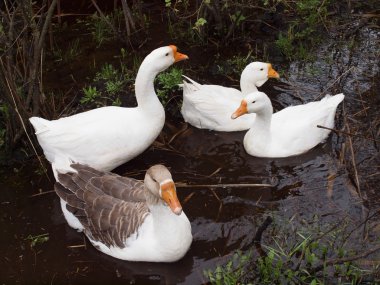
pixel 109 82
pixel 167 82
pixel 73 50
pixel 104 28
pixel 235 64
pixel 40 239
pixel 230 273
pixel 107 72
pixel 302 256
pixel 305 31
pixel 90 95
pixel 69 54
pixel 113 87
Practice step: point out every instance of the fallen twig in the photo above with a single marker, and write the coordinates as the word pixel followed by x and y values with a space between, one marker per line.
pixel 23 125
pixel 215 172
pixel 347 133
pixel 221 185
pixel 76 246
pixel 352 155
pixel 332 84
pixel 42 193
pixel 181 131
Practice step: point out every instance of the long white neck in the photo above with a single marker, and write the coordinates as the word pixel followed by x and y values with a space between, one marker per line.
pixel 144 85
pixel 259 135
pixel 246 85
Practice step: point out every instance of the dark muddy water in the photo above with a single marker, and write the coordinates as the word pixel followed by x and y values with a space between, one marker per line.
pixel 224 219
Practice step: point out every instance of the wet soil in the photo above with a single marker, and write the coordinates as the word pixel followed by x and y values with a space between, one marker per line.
pixel 321 183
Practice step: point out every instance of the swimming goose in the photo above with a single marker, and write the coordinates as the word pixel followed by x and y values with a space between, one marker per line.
pixel 291 131
pixel 210 106
pixel 126 218
pixel 107 137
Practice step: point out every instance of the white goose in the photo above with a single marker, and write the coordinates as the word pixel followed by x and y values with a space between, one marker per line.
pixel 291 131
pixel 210 106
pixel 107 137
pixel 126 218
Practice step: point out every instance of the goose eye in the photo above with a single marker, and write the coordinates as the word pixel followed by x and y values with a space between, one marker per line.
pixel 167 54
pixel 261 69
pixel 253 102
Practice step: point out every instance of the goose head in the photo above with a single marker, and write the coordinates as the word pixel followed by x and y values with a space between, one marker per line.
pixel 256 74
pixel 255 102
pixel 159 182
pixel 163 57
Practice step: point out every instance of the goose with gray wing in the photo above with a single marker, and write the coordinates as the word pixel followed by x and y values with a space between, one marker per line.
pixel 126 218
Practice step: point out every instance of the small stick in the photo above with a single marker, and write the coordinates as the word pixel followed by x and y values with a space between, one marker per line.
pixel 180 132
pixel 353 156
pixel 362 110
pixel 215 172
pixel 346 133
pixel 184 185
pixel 23 125
pixel 187 198
pixel 104 18
pixel 76 246
pixel 42 193
pixel 220 204
pixel 332 84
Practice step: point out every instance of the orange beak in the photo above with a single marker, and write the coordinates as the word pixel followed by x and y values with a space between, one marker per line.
pixel 169 195
pixel 177 55
pixel 272 73
pixel 241 110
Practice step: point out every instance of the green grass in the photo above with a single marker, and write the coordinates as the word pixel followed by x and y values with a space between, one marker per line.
pixel 234 65
pixel 70 53
pixel 307 255
pixel 230 273
pixel 306 30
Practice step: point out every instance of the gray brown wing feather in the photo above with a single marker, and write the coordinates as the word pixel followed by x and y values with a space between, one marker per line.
pixel 127 189
pixel 105 218
pixel 123 188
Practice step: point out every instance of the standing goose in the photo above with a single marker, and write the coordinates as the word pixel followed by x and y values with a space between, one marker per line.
pixel 210 106
pixel 126 218
pixel 107 137
pixel 291 131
